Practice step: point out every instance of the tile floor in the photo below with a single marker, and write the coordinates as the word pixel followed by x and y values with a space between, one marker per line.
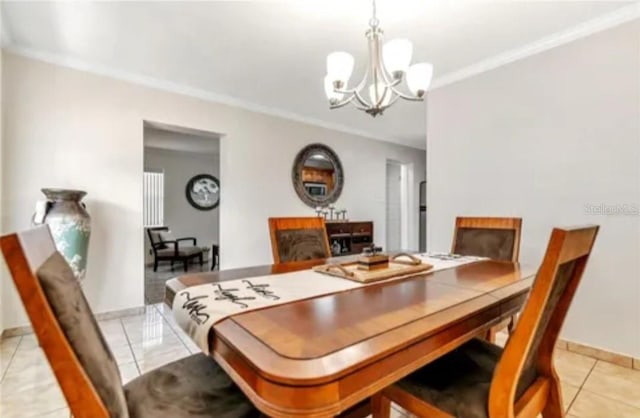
pixel 155 281
pixel 591 388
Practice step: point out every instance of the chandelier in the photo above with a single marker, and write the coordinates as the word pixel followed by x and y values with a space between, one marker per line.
pixel 389 65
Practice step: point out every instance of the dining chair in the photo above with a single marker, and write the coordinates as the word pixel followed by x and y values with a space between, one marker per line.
pixel 298 239
pixel 495 238
pixel 171 249
pixel 481 380
pixel 194 387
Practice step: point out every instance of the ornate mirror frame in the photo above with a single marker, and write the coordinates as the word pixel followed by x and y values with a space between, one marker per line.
pixel 296 175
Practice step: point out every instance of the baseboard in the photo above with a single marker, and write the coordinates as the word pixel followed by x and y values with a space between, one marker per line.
pixel 104 316
pixel 120 314
pixel 600 354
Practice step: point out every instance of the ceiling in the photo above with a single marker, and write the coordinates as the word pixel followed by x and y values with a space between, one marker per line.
pixel 270 55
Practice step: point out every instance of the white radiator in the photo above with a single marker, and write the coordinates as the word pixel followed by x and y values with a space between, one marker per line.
pixel 153 190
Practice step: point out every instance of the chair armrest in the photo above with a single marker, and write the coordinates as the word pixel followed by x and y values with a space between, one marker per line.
pixel 188 239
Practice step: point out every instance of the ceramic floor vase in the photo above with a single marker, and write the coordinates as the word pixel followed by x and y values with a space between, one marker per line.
pixel 70 225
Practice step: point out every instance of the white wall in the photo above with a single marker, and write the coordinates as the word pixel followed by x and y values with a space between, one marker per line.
pixel 394 212
pixel 67 128
pixel 541 138
pixel 2 264
pixel 179 167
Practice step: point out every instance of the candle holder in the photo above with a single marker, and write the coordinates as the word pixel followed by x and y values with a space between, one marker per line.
pixel 330 213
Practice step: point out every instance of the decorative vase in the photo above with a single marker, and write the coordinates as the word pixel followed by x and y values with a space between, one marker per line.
pixel 70 225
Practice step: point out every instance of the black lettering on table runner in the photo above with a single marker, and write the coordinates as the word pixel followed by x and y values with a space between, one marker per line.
pixel 194 307
pixel 227 294
pixel 262 290
pixel 446 257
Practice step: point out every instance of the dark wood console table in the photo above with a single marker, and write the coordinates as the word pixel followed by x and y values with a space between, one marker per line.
pixel 352 236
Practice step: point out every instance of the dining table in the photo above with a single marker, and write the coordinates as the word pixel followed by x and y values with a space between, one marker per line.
pixel 322 356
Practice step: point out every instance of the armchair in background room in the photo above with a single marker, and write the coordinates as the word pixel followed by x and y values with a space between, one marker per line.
pixel 165 248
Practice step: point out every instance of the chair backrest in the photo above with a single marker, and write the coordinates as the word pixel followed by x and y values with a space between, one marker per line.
pixel 155 235
pixel 298 239
pixel 526 370
pixel 64 325
pixel 496 238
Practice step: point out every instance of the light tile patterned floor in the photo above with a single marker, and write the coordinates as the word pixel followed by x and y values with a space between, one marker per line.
pixel 592 389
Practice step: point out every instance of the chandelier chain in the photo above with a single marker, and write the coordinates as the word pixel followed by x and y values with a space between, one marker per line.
pixel 374 22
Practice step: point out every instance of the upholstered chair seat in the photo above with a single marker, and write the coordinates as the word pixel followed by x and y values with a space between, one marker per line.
pixel 194 387
pixel 459 382
pixel 182 251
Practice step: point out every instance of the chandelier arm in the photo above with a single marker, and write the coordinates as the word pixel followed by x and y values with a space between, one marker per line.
pixel 392 101
pixel 389 81
pixel 342 103
pixel 363 82
pixel 362 108
pixel 406 96
pixel 356 88
pixel 362 101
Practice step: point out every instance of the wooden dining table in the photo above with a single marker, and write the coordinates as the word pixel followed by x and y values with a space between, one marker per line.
pixel 321 356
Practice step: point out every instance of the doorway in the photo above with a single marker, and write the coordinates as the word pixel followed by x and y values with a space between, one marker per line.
pixel 180 187
pixel 399 195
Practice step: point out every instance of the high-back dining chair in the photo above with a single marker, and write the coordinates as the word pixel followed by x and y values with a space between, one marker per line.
pixel 194 387
pixel 479 379
pixel 298 239
pixel 496 238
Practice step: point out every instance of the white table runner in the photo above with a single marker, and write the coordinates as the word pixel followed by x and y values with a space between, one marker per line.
pixel 198 308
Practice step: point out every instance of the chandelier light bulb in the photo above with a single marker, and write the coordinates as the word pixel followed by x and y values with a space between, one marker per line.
pixel 339 66
pixel 329 90
pixel 419 78
pixel 396 55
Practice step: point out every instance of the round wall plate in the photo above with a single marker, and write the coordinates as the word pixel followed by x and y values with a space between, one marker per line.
pixel 203 192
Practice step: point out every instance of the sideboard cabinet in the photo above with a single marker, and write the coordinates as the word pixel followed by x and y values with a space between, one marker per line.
pixel 346 238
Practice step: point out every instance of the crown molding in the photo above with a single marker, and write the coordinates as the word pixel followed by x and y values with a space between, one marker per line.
pixel 604 22
pixel 184 90
pixel 590 27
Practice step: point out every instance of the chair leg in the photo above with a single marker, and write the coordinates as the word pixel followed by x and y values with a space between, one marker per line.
pixel 380 406
pixel 512 325
pixel 553 407
pixel 214 262
pixel 200 259
pixel 490 336
pixel 155 265
pixel 185 262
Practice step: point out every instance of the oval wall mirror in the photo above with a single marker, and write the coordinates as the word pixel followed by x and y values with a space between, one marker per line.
pixel 317 175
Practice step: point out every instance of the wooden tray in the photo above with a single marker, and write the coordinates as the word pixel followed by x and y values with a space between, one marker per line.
pixel 398 266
